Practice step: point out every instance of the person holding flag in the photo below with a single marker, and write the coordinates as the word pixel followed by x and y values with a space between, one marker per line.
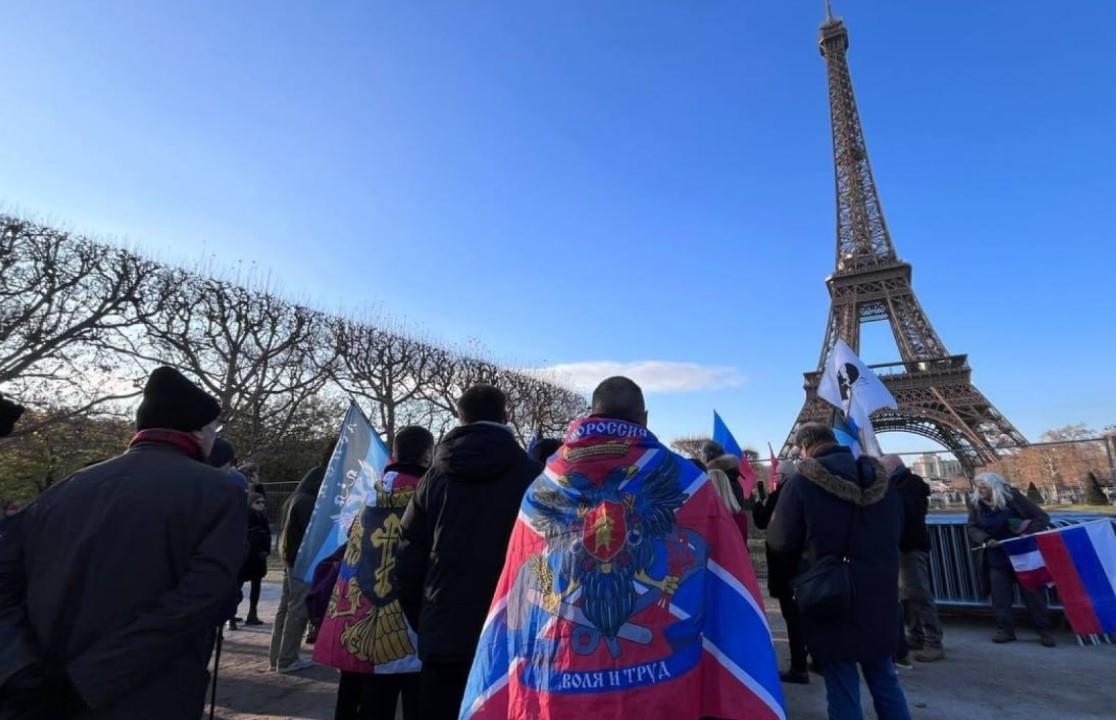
pixel 627 590
pixel 997 511
pixel 364 633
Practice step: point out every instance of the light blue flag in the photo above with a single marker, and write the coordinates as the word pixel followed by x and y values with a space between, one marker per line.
pixel 724 438
pixel 357 463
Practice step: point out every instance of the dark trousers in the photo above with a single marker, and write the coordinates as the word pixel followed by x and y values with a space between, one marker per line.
pixel 254 598
pixel 375 697
pixel 842 690
pixel 349 690
pixel 1003 585
pixel 382 693
pixel 789 608
pixel 441 688
pixel 902 647
pixel 923 625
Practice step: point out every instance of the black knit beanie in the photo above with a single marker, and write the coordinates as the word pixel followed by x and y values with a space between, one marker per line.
pixel 222 454
pixel 9 415
pixel 171 401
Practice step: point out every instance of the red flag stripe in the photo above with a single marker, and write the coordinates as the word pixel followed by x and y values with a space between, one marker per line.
pixel 1075 599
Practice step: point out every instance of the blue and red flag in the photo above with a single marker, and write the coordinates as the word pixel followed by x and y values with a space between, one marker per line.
pixel 627 593
pixel 1081 562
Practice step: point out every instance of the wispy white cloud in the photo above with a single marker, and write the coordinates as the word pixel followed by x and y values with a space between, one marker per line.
pixel 654 376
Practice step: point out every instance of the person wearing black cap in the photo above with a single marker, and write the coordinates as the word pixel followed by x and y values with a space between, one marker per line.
pixel 113 581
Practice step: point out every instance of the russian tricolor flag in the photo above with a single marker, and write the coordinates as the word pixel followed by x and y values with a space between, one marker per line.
pixel 1081 562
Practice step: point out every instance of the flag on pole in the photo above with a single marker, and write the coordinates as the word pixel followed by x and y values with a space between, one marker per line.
pixel 1081 562
pixel 847 377
pixel 851 386
pixel 357 463
pixel 723 436
pixel 773 480
pixel 747 476
pixel 847 433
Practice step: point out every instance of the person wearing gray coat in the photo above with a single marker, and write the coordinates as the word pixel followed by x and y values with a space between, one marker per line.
pixel 113 582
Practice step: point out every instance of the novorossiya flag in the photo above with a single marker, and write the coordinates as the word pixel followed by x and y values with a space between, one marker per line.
pixel 627 593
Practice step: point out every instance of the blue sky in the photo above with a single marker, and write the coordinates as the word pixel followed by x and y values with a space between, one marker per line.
pixel 623 182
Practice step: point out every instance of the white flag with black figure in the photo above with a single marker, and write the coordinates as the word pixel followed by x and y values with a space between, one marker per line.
pixel 851 386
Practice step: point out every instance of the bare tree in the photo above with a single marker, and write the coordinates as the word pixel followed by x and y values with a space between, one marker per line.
pixel 65 303
pixel 262 357
pixel 381 366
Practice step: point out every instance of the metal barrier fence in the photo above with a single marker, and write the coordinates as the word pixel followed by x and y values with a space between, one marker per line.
pixel 953 573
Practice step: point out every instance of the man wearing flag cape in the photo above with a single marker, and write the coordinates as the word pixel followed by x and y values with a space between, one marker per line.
pixel 627 591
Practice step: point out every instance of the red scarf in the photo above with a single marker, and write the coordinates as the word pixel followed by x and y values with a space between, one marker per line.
pixel 185 442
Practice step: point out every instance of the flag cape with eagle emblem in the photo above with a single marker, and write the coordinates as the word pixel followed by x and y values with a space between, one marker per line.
pixel 364 629
pixel 627 592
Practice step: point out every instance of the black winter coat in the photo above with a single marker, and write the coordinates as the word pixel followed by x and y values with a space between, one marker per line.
pixel 119 576
pixel 296 514
pixel 840 506
pixel 1019 507
pixel 780 568
pixel 915 494
pixel 455 534
pixel 259 547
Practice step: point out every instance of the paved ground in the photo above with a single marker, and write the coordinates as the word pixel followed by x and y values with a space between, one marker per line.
pixel 979 680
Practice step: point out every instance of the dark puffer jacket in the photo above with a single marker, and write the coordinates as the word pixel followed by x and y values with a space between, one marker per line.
pixel 840 506
pixel 455 534
pixel 915 494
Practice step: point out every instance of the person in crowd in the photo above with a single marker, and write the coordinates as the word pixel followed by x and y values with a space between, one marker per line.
pixel 838 506
pixel 223 457
pixel 364 633
pixel 255 564
pixel 724 489
pixel 291 616
pixel 454 534
pixel 113 581
pixel 998 512
pixel 621 543
pixel 780 570
pixel 544 448
pixel 251 472
pixel 713 456
pixel 923 627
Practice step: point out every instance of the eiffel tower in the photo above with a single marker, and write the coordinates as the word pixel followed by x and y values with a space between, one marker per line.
pixel 934 390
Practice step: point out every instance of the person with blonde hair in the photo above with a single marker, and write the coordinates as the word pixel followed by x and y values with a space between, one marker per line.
pixel 724 489
pixel 999 512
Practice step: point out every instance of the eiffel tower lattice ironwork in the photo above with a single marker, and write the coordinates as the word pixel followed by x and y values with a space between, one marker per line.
pixel 934 390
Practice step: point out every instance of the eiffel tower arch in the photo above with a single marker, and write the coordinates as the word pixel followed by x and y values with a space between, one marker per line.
pixel 934 389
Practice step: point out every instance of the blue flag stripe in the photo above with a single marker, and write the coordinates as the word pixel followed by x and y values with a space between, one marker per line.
pixel 1022 546
pixel 492 652
pixel 731 624
pixel 1092 575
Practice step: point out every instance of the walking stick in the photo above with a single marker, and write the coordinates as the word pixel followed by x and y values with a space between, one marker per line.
pixel 216 665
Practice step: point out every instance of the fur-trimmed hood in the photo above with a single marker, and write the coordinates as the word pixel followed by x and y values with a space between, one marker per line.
pixel 846 490
pixel 728 464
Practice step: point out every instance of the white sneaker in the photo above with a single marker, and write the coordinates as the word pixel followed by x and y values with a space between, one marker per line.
pixel 297 665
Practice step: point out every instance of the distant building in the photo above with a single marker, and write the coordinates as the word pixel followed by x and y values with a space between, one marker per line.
pixel 934 466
